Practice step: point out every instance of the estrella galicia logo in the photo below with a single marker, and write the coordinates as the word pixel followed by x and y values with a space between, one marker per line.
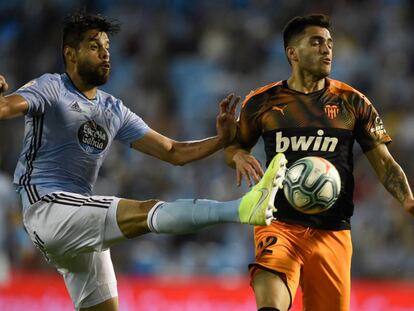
pixel 92 137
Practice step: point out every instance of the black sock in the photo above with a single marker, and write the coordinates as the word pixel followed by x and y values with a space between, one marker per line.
pixel 268 309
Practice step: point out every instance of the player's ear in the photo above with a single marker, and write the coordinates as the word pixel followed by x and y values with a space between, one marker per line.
pixel 69 54
pixel 292 54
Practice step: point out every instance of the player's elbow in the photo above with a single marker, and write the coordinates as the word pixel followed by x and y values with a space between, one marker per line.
pixel 178 162
pixel 177 159
pixel 175 156
pixel 3 114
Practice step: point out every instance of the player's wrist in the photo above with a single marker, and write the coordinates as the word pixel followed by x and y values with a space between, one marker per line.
pixel 223 141
pixel 239 155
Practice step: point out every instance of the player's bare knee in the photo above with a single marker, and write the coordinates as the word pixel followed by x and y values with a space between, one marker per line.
pixel 271 291
pixel 132 216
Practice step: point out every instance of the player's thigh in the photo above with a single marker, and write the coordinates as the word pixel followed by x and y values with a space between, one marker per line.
pixel 89 278
pixel 271 291
pixel 108 305
pixel 65 223
pixel 276 270
pixel 326 277
pixel 132 216
pixel 68 223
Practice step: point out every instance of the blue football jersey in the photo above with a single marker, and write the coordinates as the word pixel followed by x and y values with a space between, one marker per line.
pixel 67 136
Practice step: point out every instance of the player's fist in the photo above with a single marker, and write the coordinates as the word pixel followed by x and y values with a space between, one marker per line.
pixel 3 85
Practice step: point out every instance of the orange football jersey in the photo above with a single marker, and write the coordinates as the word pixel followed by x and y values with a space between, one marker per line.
pixel 324 123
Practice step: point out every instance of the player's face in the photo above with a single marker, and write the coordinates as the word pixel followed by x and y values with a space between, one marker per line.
pixel 93 64
pixel 314 51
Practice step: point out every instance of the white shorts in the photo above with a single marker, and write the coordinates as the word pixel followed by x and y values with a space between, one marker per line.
pixel 74 233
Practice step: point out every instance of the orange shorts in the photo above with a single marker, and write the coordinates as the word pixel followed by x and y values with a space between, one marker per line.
pixel 317 260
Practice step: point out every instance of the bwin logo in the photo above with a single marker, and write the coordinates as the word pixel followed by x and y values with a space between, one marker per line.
pixel 305 143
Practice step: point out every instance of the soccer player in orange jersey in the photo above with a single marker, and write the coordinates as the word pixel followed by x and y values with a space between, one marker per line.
pixel 310 115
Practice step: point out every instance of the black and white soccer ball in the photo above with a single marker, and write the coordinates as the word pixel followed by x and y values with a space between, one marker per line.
pixel 312 185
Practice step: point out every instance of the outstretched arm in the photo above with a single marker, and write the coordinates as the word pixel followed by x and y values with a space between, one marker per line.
pixel 180 153
pixel 11 106
pixel 391 176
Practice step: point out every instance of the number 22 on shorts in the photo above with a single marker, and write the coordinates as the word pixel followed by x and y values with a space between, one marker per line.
pixel 263 246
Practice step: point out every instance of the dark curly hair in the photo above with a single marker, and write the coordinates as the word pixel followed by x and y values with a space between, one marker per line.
pixel 75 26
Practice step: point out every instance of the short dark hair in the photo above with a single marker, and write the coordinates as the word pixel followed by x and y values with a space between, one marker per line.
pixel 75 26
pixel 298 24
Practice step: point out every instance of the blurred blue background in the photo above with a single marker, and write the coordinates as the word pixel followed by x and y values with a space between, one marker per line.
pixel 172 63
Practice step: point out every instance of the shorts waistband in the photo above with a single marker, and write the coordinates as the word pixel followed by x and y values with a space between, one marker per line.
pixel 29 196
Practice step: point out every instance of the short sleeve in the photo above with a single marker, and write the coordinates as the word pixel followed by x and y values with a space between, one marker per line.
pixel 248 131
pixel 370 130
pixel 132 126
pixel 40 93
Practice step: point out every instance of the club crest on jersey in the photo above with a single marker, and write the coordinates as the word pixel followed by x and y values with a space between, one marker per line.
pixel 305 143
pixel 331 110
pixel 92 137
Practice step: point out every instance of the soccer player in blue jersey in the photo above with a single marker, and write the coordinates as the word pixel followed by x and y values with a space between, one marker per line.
pixel 70 125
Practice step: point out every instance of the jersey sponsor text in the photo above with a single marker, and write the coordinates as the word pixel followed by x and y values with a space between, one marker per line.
pixel 305 143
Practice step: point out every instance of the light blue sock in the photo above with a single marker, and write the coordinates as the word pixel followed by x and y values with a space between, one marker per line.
pixel 183 216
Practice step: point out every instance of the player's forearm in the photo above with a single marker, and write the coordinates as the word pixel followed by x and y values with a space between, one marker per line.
pixel 395 181
pixel 12 106
pixel 188 151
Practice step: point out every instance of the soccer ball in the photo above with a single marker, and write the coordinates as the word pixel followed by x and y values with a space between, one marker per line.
pixel 312 185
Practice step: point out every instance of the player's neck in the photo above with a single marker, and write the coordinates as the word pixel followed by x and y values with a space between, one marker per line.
pixel 305 84
pixel 86 89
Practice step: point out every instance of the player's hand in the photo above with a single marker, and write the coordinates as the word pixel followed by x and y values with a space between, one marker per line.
pixel 247 167
pixel 226 124
pixel 3 85
pixel 409 206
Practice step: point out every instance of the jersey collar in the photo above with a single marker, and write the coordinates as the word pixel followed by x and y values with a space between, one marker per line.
pixel 69 81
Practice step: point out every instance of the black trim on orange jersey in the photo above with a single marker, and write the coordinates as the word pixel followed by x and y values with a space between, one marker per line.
pixel 286 86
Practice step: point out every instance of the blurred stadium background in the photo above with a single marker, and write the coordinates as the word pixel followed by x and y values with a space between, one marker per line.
pixel 172 62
